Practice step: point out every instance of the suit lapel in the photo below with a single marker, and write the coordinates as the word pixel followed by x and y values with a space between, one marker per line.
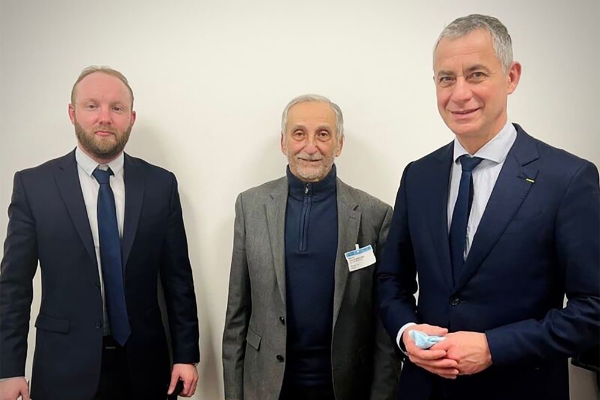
pixel 348 228
pixel 275 210
pixel 439 184
pixel 508 194
pixel 135 183
pixel 67 179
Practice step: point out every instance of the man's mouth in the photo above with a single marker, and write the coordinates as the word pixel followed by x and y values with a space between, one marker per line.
pixel 104 133
pixel 464 112
pixel 310 159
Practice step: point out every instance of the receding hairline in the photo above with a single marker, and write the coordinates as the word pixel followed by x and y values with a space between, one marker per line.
pixel 91 70
pixel 496 30
pixel 315 98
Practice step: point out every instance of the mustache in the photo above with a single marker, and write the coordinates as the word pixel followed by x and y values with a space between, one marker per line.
pixel 104 129
pixel 308 157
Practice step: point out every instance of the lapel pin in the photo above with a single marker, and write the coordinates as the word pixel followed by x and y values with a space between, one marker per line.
pixel 529 180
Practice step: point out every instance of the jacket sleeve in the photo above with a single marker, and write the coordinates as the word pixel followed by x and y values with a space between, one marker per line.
pixel 16 282
pixel 575 328
pixel 239 308
pixel 178 284
pixel 396 281
pixel 386 363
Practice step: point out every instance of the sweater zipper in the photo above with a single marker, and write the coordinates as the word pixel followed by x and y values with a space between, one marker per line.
pixel 304 218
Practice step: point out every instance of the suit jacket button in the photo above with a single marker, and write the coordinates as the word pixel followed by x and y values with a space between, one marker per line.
pixel 454 301
pixel 282 320
pixel 279 358
pixel 97 285
pixel 98 325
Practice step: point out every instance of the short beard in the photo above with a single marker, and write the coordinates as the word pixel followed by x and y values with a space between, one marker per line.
pixel 101 149
pixel 314 176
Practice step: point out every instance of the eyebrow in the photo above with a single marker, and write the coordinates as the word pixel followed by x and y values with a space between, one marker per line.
pixel 319 128
pixel 476 67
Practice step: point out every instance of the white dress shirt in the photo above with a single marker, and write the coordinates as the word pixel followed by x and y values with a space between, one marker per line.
pixel 90 188
pixel 485 176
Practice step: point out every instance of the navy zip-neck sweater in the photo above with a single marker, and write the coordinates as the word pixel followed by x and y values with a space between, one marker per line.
pixel 311 238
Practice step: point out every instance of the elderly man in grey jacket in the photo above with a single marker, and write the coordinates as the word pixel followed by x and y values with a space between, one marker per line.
pixel 301 317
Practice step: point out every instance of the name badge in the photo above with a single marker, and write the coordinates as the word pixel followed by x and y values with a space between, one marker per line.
pixel 360 258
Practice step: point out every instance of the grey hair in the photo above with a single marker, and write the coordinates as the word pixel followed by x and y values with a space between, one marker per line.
pixel 339 117
pixel 105 70
pixel 501 40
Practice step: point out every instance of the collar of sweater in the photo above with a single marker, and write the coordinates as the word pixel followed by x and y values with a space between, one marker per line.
pixel 317 190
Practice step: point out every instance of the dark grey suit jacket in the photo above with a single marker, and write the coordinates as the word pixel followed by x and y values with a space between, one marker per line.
pixel 48 223
pixel 364 364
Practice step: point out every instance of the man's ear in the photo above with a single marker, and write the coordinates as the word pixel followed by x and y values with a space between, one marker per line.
pixel 283 144
pixel 72 113
pixel 340 145
pixel 514 75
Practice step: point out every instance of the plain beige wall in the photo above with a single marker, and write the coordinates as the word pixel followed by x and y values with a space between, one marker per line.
pixel 211 79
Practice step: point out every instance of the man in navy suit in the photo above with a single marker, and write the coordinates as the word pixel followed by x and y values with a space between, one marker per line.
pixel 104 227
pixel 499 227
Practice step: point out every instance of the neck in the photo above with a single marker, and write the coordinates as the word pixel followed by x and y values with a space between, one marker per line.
pixel 472 144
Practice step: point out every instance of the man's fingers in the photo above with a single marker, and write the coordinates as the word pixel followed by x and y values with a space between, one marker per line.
pixel 428 354
pixel 186 388
pixel 193 387
pixel 174 378
pixel 433 330
pixel 450 373
pixel 444 363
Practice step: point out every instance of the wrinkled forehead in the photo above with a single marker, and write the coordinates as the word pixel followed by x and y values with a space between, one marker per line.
pixel 311 112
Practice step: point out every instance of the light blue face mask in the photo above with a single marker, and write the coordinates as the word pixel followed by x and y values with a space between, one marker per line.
pixel 423 340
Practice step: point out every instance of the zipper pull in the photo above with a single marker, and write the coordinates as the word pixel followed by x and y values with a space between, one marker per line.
pixel 306 189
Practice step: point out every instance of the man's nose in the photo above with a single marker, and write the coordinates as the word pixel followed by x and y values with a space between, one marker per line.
pixel 461 91
pixel 311 145
pixel 104 116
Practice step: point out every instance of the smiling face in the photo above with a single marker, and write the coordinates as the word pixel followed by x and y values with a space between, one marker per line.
pixel 472 88
pixel 102 116
pixel 310 140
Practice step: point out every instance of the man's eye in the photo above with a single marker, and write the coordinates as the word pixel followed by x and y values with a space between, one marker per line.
pixel 323 134
pixel 118 108
pixel 445 80
pixel 477 75
pixel 90 106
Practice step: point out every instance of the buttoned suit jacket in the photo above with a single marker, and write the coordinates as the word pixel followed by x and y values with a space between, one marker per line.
pixel 364 365
pixel 48 222
pixel 538 240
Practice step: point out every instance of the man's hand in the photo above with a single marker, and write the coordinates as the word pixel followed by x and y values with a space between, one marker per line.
pixel 12 388
pixel 469 349
pixel 434 361
pixel 186 373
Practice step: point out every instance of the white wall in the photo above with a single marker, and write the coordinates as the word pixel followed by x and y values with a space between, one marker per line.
pixel 211 79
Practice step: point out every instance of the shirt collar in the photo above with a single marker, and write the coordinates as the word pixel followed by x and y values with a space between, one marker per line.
pixel 89 165
pixel 495 150
pixel 318 190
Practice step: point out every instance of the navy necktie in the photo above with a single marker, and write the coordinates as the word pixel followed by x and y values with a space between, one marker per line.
pixel 110 258
pixel 460 216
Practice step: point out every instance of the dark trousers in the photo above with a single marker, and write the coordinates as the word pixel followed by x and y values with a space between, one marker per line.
pixel 292 392
pixel 114 377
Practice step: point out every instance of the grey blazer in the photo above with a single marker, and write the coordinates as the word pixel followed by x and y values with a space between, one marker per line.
pixel 364 364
